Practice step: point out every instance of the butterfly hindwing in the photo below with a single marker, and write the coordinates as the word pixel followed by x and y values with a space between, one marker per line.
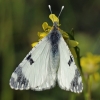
pixel 35 70
pixel 68 74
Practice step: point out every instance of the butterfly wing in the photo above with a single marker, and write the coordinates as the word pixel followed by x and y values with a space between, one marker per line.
pixel 35 70
pixel 68 74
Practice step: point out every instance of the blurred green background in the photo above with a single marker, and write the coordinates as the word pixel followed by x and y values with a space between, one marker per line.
pixel 20 20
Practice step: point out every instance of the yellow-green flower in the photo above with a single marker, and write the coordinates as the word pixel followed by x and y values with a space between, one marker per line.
pixel 96 77
pixel 47 28
pixel 90 63
pixel 94 80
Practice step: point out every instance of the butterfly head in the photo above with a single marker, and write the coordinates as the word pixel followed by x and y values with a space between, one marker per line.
pixel 55 25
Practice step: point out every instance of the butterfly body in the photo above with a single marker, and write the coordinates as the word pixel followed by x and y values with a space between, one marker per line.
pixel 54 38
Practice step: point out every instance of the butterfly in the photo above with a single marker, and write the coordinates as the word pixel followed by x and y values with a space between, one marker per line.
pixel 49 61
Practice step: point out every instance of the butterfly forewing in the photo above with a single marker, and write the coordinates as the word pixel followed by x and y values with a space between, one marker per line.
pixel 35 70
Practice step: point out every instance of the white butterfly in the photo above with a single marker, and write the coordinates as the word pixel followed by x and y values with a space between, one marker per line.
pixel 49 61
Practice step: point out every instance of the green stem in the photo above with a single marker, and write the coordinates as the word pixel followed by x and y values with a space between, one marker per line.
pixel 88 89
pixel 73 96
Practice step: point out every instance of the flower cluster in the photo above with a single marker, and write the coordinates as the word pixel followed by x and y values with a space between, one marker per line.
pixel 90 66
pixel 90 63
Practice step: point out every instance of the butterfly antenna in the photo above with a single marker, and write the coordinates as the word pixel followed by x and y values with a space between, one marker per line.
pixel 50 8
pixel 61 11
pixel 50 11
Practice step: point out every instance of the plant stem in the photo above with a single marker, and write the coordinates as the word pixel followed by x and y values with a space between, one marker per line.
pixel 88 89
